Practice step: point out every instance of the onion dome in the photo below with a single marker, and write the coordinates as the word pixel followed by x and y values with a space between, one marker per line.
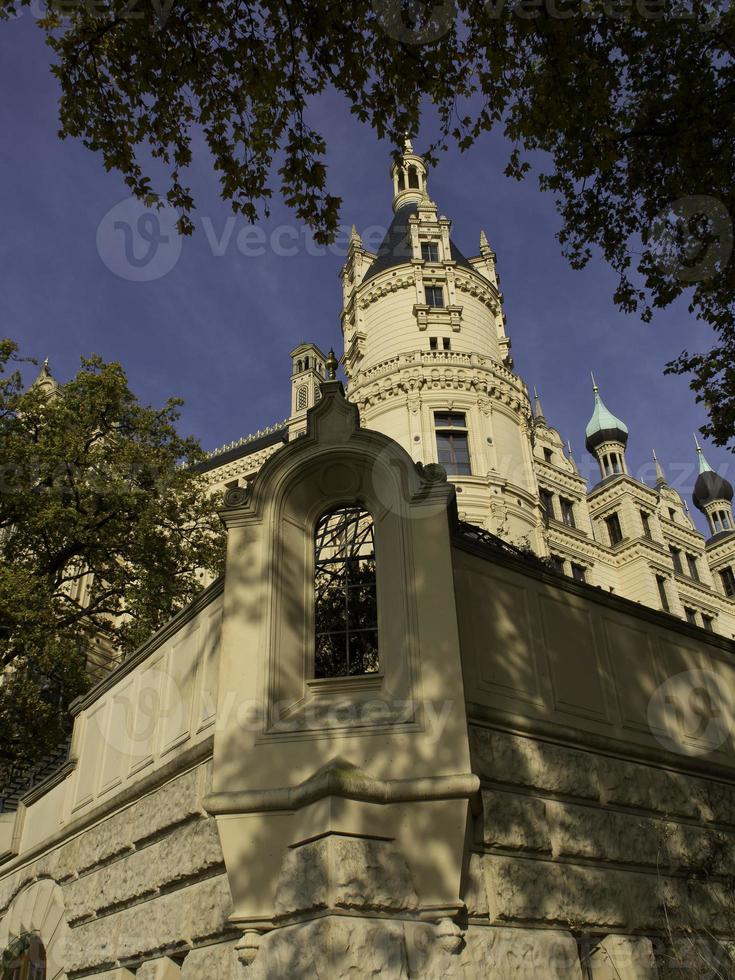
pixel 603 426
pixel 710 486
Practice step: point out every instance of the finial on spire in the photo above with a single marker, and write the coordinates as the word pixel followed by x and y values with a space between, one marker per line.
pixel 660 475
pixel 704 466
pixel 331 365
pixel 355 238
pixel 407 144
pixel 594 383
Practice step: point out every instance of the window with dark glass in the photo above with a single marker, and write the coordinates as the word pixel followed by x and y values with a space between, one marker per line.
pixel 446 343
pixel 434 296
pixel 557 563
pixel 672 514
pixel 413 177
pixel 615 532
pixel 25 959
pixel 432 343
pixel 548 455
pixel 693 567
pixel 676 558
pixel 451 443
pixel 708 623
pixel 646 523
pixel 661 583
pixel 547 503
pixel 345 609
pixel 429 251
pixel 579 572
pixel 567 512
pixel 728 581
pixel 691 615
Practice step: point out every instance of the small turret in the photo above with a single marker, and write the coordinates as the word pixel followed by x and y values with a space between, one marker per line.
pixel 606 437
pixel 46 383
pixel 409 178
pixel 713 495
pixel 308 372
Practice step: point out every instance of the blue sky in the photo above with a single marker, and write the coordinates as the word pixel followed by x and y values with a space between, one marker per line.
pixel 217 328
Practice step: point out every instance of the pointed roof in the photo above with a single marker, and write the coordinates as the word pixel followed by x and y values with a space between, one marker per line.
pixel 709 486
pixel 660 475
pixel 395 249
pixel 603 426
pixel 537 410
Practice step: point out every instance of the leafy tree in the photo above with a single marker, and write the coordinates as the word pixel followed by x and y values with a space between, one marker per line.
pixel 105 532
pixel 630 102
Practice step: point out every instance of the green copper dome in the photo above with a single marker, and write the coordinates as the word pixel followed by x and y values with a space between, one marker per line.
pixel 604 426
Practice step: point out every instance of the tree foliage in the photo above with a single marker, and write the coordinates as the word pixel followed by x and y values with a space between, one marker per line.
pixel 630 102
pixel 105 531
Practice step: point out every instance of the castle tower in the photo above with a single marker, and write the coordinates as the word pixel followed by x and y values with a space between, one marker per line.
pixel 427 358
pixel 606 438
pixel 307 373
pixel 713 496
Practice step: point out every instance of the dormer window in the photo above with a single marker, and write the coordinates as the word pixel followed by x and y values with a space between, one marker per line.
pixel 430 251
pixel 345 608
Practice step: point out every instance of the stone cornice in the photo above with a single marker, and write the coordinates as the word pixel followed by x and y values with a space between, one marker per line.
pixel 418 371
pixel 601 495
pixel 345 781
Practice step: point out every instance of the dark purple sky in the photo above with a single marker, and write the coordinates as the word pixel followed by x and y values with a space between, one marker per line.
pixel 217 328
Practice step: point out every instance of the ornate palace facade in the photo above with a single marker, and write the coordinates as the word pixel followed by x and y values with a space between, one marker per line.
pixel 428 363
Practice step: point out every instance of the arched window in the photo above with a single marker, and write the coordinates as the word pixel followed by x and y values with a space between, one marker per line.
pixel 413 177
pixel 25 959
pixel 401 181
pixel 302 398
pixel 298 366
pixel 345 608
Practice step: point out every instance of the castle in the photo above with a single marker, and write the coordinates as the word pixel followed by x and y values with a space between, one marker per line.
pixel 428 363
pixel 446 713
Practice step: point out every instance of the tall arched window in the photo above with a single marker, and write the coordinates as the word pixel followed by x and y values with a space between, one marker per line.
pixel 25 959
pixel 302 398
pixel 345 608
pixel 413 177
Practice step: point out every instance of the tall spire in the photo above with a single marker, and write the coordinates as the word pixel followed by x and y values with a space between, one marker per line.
pixel 570 457
pixel 704 466
pixel 537 410
pixel 660 475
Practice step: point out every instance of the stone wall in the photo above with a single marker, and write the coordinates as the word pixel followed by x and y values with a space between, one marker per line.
pixel 606 848
pixel 144 890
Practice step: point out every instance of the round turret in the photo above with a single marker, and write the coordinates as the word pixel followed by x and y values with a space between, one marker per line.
pixel 712 495
pixel 606 437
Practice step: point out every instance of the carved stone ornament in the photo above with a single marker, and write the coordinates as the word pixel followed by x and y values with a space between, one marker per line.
pixel 236 496
pixel 432 472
